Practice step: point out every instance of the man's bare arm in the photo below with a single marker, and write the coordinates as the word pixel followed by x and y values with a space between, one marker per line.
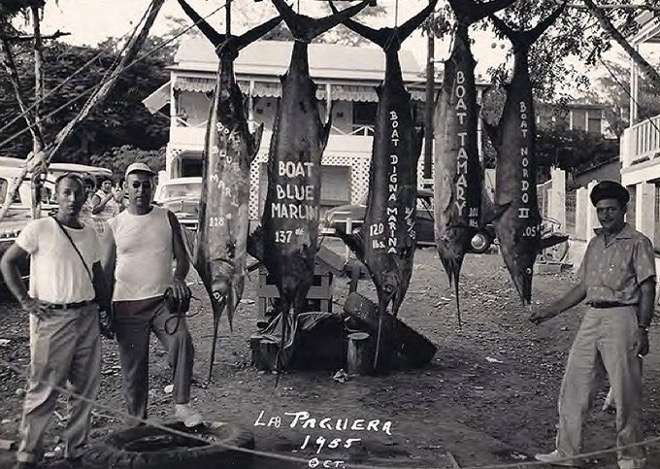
pixel 574 296
pixel 11 273
pixel 646 302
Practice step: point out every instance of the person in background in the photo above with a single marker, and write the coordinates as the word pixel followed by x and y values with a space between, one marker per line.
pixel 145 240
pixel 617 279
pixel 86 210
pixel 120 194
pixel 67 286
pixel 104 201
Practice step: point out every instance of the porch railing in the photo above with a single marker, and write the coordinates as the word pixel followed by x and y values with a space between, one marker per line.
pixel 641 142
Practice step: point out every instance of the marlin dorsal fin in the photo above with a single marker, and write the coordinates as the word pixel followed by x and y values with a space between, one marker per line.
pixel 256 142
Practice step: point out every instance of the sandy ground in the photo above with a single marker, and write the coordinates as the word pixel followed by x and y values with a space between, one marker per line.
pixel 488 396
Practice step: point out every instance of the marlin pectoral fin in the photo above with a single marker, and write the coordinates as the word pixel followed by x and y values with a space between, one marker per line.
pixel 354 243
pixel 255 33
pixel 497 212
pixel 212 35
pixel 552 240
pixel 493 133
pixel 256 142
pixel 325 132
pixel 255 245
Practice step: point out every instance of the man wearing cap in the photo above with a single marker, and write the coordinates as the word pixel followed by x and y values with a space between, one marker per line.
pixel 67 287
pixel 145 240
pixel 617 279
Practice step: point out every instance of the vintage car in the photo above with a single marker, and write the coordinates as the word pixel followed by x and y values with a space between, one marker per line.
pixel 348 217
pixel 19 213
pixel 181 196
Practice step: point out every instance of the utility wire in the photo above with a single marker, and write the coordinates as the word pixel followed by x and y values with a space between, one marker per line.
pixel 70 77
pixel 284 457
pixel 113 75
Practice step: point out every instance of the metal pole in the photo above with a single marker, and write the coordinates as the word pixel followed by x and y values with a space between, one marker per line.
pixel 228 17
pixel 428 110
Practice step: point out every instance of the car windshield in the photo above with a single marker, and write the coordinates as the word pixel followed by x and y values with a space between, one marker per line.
pixel 187 189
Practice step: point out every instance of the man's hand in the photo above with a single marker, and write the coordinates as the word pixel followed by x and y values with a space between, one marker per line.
pixel 33 306
pixel 180 290
pixel 105 325
pixel 542 314
pixel 642 342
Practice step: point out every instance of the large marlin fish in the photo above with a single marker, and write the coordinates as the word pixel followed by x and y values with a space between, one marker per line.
pixel 518 222
pixel 457 171
pixel 291 213
pixel 386 240
pixel 229 148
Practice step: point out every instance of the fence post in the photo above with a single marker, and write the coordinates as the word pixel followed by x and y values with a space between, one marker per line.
pixel 558 197
pixel 592 218
pixel 645 209
pixel 581 213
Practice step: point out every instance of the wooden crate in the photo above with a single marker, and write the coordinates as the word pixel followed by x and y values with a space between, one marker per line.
pixel 319 296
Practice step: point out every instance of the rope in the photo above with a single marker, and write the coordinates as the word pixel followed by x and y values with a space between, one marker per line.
pixel 117 73
pixel 70 77
pixel 283 457
pixel 396 13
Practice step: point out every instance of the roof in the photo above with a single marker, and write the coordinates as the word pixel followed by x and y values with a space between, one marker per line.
pixel 271 58
pixel 16 164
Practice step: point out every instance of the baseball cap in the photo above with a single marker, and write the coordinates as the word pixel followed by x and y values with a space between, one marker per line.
pixel 141 167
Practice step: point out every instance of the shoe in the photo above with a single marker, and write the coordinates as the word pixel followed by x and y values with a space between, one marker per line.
pixel 557 459
pixel 186 414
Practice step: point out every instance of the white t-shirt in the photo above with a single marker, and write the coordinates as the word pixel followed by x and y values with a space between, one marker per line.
pixel 57 274
pixel 143 268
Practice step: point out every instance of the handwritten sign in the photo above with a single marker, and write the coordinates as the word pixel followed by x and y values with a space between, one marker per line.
pixel 322 425
pixel 294 200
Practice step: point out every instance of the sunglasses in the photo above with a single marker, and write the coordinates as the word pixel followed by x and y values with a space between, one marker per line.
pixel 143 184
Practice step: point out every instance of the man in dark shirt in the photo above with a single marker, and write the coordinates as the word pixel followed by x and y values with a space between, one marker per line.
pixel 617 279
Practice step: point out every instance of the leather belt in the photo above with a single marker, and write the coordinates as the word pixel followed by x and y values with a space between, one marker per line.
pixel 608 304
pixel 78 304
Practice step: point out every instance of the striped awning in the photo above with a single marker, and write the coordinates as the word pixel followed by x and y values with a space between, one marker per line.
pixel 356 93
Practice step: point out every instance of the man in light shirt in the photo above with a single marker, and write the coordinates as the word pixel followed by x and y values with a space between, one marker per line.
pixel 66 288
pixel 617 280
pixel 145 240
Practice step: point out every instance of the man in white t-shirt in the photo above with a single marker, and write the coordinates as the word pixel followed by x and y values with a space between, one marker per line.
pixel 145 240
pixel 66 288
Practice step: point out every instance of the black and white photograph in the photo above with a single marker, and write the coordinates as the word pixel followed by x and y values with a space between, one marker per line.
pixel 347 234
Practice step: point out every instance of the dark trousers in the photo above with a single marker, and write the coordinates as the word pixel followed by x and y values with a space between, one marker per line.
pixel 133 323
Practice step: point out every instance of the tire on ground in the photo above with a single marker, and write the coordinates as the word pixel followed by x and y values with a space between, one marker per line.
pixel 140 448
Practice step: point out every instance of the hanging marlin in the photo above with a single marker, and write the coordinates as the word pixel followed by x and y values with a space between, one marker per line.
pixel 457 171
pixel 386 239
pixel 291 213
pixel 518 222
pixel 229 148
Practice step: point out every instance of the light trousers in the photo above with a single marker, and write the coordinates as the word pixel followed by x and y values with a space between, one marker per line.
pixel 610 333
pixel 64 346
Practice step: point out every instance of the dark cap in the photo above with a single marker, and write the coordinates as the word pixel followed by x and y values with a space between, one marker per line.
pixel 609 190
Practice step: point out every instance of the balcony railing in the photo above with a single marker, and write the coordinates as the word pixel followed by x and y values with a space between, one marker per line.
pixel 192 138
pixel 641 142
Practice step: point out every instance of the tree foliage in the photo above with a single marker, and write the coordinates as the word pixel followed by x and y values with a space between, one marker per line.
pixel 123 120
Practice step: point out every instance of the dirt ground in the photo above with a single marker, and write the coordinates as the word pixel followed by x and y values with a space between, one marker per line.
pixel 488 397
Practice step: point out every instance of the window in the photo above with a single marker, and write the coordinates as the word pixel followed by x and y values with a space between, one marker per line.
pixel 364 118
pixel 594 122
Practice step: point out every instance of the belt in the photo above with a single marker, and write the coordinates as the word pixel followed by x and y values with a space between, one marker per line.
pixel 608 304
pixel 78 304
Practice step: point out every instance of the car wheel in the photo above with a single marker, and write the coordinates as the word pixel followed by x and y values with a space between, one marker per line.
pixel 480 243
pixel 146 447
